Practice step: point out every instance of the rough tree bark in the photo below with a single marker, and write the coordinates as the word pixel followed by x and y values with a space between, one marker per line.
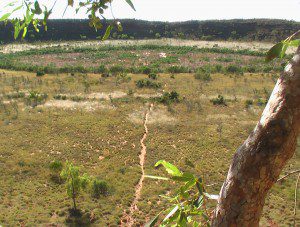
pixel 258 162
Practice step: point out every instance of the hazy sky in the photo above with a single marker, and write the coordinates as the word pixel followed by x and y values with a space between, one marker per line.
pixel 182 10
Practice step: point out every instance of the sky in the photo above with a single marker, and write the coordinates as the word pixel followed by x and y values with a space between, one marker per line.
pixel 183 10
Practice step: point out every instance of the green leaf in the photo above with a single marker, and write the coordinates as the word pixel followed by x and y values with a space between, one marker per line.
pixel 107 32
pixel 210 196
pixel 171 213
pixel 156 177
pixel 274 52
pixel 171 169
pixel 182 222
pixel 152 222
pixel 5 16
pixel 129 2
pixel 284 48
pixel 198 203
pixel 185 177
pixel 295 43
pixel 24 32
pixel 37 8
pixel 188 185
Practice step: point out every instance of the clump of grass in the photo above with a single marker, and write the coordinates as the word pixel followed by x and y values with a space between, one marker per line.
pixel 203 76
pixel 56 167
pixel 35 98
pixel 60 97
pixel 248 103
pixel 77 98
pixel 220 100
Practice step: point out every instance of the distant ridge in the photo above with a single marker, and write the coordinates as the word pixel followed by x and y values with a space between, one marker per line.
pixel 245 30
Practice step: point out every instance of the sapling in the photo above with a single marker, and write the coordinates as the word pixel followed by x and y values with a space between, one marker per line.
pixel 75 182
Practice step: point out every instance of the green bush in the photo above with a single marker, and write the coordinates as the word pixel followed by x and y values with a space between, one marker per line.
pixel 219 101
pixel 235 69
pixel 116 69
pixel 40 73
pixel 99 188
pixel 147 83
pixel 152 76
pixel 101 69
pixel 144 70
pixel 177 69
pixel 169 97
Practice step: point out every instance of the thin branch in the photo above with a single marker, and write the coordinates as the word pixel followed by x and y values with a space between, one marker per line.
pixel 290 173
pixel 111 11
pixel 295 206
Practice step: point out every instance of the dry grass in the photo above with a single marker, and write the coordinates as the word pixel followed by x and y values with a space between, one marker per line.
pixel 105 142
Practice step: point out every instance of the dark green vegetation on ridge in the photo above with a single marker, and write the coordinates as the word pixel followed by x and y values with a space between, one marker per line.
pixel 246 30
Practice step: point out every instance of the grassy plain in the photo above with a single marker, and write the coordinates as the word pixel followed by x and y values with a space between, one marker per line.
pixel 96 121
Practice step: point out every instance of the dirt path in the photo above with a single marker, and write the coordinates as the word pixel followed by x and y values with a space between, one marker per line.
pixel 138 188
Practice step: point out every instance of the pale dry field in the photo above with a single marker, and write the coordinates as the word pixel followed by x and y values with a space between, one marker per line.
pixel 255 46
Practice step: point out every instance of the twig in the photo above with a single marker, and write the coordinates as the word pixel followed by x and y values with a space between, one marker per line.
pixel 290 173
pixel 295 206
pixel 210 185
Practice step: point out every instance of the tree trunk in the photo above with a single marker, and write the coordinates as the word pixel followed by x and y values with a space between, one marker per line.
pixel 259 161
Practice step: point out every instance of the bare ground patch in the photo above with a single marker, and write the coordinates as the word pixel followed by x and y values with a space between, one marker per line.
pixel 147 96
pixel 68 104
pixel 158 115
pixel 106 96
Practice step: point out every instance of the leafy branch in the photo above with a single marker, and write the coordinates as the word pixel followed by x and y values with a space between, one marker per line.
pixel 33 11
pixel 279 50
pixel 189 204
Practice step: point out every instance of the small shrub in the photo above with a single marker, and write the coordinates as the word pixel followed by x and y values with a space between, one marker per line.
pixel 60 97
pixel 248 103
pixel 169 97
pixel 77 98
pixel 56 167
pixel 144 70
pixel 235 69
pixel 177 69
pixel 101 69
pixel 218 68
pixel 40 73
pixel 204 76
pixel 116 69
pixel 152 76
pixel 105 75
pixel 99 188
pixel 261 102
pixel 219 101
pixel 147 83
pixel 123 78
